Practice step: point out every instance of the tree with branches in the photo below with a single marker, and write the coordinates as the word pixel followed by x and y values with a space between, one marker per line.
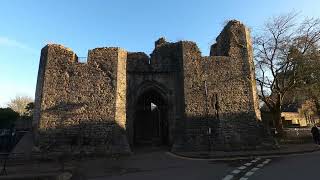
pixel 286 56
pixel 20 103
pixel 308 111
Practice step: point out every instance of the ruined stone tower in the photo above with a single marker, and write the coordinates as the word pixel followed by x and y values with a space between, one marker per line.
pixel 118 100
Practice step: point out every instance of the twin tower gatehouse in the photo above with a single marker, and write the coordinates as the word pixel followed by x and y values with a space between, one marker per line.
pixel 119 100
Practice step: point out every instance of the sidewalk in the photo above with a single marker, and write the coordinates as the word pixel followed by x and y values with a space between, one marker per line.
pixel 284 149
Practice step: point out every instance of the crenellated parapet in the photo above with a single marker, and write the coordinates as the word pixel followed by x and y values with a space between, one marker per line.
pixel 81 99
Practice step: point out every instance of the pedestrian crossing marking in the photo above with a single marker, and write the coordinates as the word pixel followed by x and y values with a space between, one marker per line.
pixel 228 177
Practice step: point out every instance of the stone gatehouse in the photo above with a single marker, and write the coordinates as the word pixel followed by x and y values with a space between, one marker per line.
pixel 118 100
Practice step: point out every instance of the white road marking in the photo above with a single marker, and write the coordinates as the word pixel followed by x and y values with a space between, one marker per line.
pixel 249 173
pixel 228 177
pixel 242 167
pixel 255 169
pixel 247 164
pixel 260 165
pixel 243 178
pixel 255 160
pixel 236 171
pixel 266 161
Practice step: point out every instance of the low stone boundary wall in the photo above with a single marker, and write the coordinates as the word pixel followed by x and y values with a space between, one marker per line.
pixel 297 135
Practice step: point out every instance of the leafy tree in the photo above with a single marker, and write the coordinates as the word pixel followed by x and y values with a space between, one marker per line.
pixel 286 55
pixel 7 117
pixel 308 110
pixel 312 92
pixel 28 114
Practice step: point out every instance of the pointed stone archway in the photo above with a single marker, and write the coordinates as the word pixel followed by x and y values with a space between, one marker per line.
pixel 151 127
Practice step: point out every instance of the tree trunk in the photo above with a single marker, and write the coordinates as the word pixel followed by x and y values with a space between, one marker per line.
pixel 277 121
pixel 316 101
pixel 305 116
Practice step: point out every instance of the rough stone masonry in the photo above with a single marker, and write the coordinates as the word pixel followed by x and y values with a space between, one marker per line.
pixel 119 100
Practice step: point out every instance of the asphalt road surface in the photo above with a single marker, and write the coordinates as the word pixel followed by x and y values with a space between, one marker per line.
pixel 305 166
pixel 162 165
pixel 157 165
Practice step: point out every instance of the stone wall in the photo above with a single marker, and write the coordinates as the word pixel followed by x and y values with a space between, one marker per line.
pixel 211 102
pixel 82 102
pixel 297 135
pixel 220 93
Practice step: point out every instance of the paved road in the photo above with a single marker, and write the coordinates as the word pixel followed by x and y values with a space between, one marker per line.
pixel 293 167
pixel 160 165
pixel 306 166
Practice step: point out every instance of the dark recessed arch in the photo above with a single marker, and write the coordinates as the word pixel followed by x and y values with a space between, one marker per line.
pixel 151 126
pixel 153 85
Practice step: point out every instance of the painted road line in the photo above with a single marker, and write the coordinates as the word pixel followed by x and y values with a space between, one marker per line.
pixel 255 169
pixel 248 164
pixel 243 178
pixel 260 165
pixel 266 161
pixel 255 160
pixel 236 171
pixel 228 177
pixel 249 173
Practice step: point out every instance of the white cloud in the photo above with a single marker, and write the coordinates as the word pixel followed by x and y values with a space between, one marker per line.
pixel 4 41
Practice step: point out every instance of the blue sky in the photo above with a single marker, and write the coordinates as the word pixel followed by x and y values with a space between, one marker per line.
pixel 27 25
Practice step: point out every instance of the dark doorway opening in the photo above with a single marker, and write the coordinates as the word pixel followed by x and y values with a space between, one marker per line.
pixel 151 120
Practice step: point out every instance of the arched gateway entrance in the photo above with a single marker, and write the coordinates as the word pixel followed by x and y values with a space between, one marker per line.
pixel 151 125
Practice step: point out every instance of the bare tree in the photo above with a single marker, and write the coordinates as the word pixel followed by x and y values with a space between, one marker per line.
pixel 19 104
pixel 284 53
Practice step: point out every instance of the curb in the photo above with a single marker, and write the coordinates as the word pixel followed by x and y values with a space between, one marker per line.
pixel 240 156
